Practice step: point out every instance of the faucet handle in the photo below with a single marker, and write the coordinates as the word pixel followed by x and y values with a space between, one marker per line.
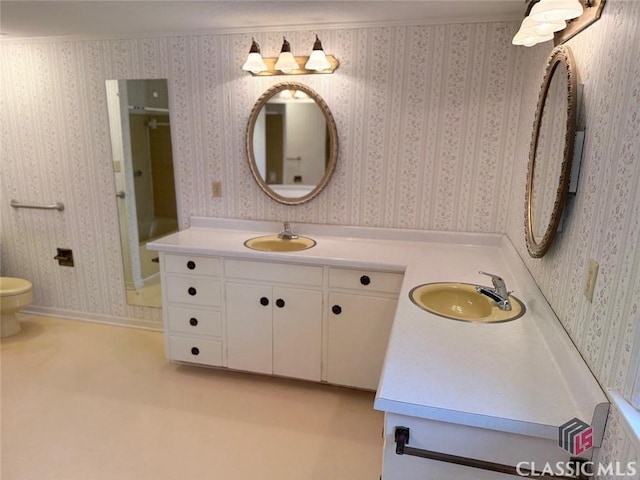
pixel 492 275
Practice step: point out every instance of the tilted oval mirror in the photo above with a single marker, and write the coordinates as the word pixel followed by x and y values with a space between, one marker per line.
pixel 551 152
pixel 292 143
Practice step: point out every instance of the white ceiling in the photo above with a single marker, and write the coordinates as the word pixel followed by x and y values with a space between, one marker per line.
pixel 121 18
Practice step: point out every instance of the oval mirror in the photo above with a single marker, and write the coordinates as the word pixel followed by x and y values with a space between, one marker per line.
pixel 551 152
pixel 292 143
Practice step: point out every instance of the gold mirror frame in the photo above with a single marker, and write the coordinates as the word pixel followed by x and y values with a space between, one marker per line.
pixel 333 142
pixel 559 55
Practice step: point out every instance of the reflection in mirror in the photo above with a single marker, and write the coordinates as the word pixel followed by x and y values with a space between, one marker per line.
pixel 139 122
pixel 291 143
pixel 551 152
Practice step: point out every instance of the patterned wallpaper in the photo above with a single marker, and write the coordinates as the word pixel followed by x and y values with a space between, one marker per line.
pixel 427 120
pixel 603 221
pixel 434 126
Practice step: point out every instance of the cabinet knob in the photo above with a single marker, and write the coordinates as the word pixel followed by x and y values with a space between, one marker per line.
pixel 365 280
pixel 193 322
pixel 195 351
pixel 280 303
pixel 336 309
pixel 191 265
pixel 192 291
pixel 264 301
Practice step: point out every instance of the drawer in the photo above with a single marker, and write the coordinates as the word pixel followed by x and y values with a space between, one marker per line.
pixel 195 350
pixel 195 321
pixel 193 290
pixel 273 272
pixel 365 280
pixel 192 264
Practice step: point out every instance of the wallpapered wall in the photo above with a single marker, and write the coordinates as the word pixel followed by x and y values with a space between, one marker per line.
pixel 434 126
pixel 604 217
pixel 427 120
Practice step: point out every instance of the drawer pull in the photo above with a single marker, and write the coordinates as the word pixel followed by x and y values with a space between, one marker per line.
pixel 193 322
pixel 264 301
pixel 195 351
pixel 336 309
pixel 192 291
pixel 280 303
pixel 365 280
pixel 191 265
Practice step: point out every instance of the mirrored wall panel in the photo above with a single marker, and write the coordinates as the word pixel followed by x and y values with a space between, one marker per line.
pixel 140 127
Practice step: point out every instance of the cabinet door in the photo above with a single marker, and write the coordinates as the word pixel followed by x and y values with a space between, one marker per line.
pixel 249 327
pixel 297 333
pixel 358 333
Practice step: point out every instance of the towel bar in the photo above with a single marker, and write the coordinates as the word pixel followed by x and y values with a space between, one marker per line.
pixel 401 437
pixel 56 206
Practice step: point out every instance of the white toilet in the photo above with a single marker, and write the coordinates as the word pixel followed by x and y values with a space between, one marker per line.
pixel 15 294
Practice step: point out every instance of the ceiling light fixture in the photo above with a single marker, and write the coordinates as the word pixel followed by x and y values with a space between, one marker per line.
pixel 556 20
pixel 287 64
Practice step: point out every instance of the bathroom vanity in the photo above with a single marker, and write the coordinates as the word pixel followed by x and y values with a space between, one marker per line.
pixel 301 320
pixel 340 313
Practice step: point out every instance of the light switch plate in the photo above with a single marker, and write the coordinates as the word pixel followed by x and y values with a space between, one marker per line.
pixel 590 280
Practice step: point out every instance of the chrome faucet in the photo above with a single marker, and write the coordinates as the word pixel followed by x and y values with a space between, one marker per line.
pixel 286 234
pixel 498 293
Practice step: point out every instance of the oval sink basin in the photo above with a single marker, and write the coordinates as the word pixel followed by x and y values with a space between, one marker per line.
pixel 273 243
pixel 461 301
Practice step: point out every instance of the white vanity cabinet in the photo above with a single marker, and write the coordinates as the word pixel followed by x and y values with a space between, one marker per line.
pixel 274 318
pixel 362 305
pixel 194 329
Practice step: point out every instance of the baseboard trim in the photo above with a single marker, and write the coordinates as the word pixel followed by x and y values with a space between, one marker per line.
pixel 92 318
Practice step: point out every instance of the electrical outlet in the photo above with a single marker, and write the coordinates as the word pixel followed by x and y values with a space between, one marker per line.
pixel 216 189
pixel 590 280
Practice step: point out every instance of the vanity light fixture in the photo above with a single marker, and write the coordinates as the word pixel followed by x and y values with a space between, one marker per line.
pixel 557 20
pixel 254 63
pixel 318 60
pixel 554 10
pixel 287 64
pixel 532 32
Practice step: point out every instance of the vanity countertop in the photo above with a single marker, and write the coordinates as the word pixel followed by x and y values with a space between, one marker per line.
pixel 523 376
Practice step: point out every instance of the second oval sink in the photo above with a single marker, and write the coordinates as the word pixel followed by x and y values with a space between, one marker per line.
pixel 273 243
pixel 461 301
